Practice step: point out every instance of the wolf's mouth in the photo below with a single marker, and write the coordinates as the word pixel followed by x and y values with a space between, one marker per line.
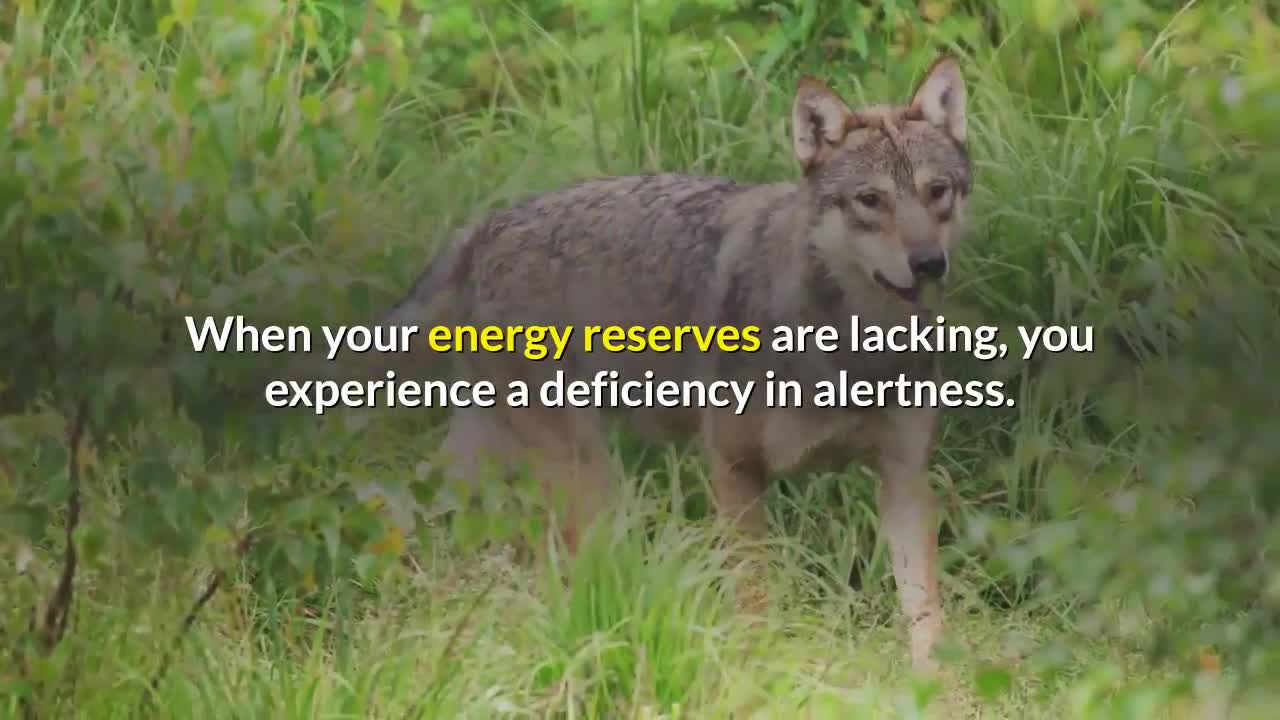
pixel 910 294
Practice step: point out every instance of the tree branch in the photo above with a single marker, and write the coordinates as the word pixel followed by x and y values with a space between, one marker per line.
pixel 58 610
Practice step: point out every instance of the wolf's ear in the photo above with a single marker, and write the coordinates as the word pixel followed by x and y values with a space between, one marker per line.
pixel 940 98
pixel 819 120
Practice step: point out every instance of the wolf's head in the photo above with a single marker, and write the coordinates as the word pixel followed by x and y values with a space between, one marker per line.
pixel 888 184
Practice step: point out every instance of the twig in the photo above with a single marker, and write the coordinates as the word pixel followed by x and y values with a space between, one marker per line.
pixel 55 615
pixel 53 627
pixel 215 582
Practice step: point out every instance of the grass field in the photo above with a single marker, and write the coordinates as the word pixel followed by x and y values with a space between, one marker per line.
pixel 1109 543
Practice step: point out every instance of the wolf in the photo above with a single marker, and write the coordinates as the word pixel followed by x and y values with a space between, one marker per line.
pixel 871 220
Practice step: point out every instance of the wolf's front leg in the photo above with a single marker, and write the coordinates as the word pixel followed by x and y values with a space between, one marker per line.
pixel 739 475
pixel 739 490
pixel 739 480
pixel 907 517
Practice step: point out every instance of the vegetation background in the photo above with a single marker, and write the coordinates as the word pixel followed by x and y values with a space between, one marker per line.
pixel 166 549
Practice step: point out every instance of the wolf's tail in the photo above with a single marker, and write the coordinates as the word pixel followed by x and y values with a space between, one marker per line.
pixel 427 303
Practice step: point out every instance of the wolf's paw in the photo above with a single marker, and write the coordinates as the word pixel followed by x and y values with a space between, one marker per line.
pixel 753 598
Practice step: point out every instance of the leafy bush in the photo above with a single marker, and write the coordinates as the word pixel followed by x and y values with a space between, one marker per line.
pixel 133 198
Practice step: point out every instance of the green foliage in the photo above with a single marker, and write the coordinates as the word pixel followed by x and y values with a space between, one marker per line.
pixel 487 48
pixel 295 161
pixel 133 198
pixel 639 616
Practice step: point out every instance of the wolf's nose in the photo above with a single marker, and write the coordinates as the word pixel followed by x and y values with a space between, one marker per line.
pixel 928 266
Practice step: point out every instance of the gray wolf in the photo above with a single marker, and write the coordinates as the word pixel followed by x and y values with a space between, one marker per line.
pixel 879 204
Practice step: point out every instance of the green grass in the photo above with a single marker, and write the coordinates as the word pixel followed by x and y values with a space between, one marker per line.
pixel 645 626
pixel 1090 207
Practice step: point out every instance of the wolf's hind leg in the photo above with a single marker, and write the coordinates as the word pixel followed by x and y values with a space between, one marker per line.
pixel 477 448
pixel 568 453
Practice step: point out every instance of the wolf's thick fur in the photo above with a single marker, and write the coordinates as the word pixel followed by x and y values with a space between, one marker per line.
pixel 880 202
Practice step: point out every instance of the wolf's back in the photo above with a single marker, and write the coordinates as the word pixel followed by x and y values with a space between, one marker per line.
pixel 637 250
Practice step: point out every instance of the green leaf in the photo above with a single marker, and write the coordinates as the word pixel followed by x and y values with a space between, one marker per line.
pixel 365 566
pixel 469 528
pixel 312 107
pixel 992 682
pixel 241 212
pixel 301 555
pixel 269 139
pixel 165 25
pixel 332 533
pixel 152 471
pixel 390 8
pixel 27 520
pixel 185 91
pixel 1063 487
pixel 183 11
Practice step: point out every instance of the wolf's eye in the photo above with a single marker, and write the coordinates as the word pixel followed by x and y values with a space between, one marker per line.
pixel 869 200
pixel 937 190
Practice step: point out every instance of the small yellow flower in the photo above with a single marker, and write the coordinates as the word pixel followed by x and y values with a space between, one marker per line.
pixel 391 544
pixel 936 10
